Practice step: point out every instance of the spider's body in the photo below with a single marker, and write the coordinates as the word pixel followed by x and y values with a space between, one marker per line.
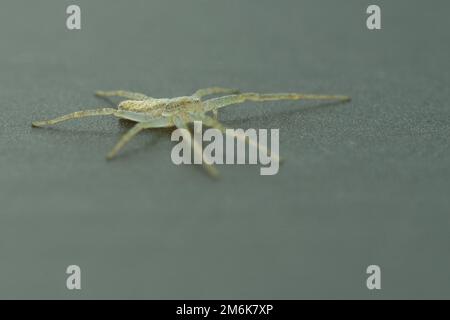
pixel 178 112
pixel 142 110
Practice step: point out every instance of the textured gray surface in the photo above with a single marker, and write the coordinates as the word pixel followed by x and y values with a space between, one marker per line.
pixel 364 183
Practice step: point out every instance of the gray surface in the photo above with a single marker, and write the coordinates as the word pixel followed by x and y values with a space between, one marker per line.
pixel 364 183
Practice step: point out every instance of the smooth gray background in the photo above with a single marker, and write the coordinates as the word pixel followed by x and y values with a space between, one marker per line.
pixel 363 183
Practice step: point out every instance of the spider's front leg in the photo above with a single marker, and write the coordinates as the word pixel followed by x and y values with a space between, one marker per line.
pixel 220 102
pixel 214 90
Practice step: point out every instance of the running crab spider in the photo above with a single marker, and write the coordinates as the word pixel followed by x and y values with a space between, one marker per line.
pixel 178 112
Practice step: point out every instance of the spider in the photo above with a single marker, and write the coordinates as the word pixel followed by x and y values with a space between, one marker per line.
pixel 178 112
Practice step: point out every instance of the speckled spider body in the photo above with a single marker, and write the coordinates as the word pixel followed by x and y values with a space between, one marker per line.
pixel 178 112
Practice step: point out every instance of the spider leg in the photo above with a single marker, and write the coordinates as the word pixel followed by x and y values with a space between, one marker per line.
pixel 138 127
pixel 126 138
pixel 221 102
pixel 75 115
pixel 211 122
pixel 122 94
pixel 214 90
pixel 187 136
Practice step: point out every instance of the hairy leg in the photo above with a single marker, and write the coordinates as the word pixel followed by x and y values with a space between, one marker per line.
pixel 214 90
pixel 122 94
pixel 181 124
pixel 221 102
pixel 126 138
pixel 211 122
pixel 75 115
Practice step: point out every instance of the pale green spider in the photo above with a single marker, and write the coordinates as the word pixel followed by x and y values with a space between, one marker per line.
pixel 169 112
